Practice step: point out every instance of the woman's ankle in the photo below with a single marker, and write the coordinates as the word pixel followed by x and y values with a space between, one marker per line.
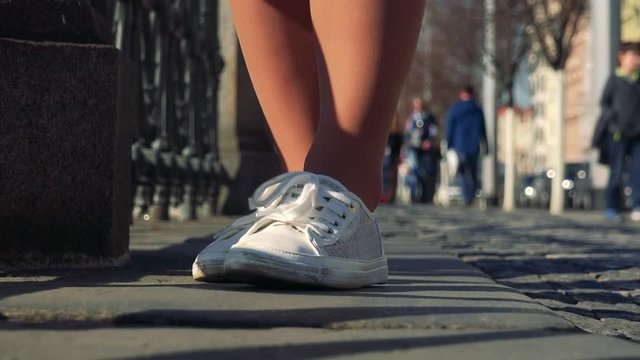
pixel 367 187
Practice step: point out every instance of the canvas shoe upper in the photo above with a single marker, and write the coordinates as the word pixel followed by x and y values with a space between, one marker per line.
pixel 326 237
pixel 208 265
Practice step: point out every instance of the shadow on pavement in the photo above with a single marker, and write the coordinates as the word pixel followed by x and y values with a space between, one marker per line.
pixel 343 348
pixel 313 318
pixel 173 260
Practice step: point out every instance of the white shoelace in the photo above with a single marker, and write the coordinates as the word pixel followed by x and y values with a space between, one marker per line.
pixel 300 201
pixel 268 195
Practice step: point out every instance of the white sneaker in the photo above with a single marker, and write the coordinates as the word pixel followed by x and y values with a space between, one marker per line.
pixel 635 214
pixel 208 265
pixel 326 237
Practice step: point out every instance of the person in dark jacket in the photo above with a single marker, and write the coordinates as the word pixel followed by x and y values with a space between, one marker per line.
pixel 618 130
pixel 466 135
pixel 423 152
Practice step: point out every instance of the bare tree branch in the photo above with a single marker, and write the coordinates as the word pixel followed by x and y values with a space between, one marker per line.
pixel 555 24
pixel 452 50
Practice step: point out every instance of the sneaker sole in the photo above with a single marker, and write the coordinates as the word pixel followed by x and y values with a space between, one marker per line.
pixel 260 267
pixel 209 271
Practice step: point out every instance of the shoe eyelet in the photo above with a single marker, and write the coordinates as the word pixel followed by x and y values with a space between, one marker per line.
pixel 352 208
pixel 336 223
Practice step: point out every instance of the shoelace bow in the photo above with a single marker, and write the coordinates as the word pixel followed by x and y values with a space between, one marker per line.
pixel 296 199
pixel 267 195
pixel 302 202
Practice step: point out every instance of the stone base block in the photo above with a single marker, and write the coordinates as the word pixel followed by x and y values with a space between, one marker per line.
pixel 66 113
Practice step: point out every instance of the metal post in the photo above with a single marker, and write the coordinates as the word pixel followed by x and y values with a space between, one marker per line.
pixel 605 39
pixel 509 202
pixel 213 171
pixel 489 163
pixel 615 32
pixel 557 157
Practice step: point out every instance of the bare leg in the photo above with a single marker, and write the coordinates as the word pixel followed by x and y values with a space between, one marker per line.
pixel 366 49
pixel 278 45
pixel 329 92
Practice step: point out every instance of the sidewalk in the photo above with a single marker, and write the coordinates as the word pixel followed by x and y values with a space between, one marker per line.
pixel 434 306
pixel 585 269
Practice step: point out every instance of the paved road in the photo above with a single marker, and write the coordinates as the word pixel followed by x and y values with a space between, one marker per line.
pixel 579 266
pixel 434 306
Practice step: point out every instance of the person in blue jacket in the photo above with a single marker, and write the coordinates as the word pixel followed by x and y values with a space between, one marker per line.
pixel 466 135
pixel 618 131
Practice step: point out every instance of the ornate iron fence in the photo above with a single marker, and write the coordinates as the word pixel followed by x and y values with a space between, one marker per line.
pixel 175 51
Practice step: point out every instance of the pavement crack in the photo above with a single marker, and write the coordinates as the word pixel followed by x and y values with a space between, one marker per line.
pixel 32 316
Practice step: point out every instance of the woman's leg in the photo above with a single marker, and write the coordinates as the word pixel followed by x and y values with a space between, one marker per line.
pixel 334 85
pixel 278 45
pixel 366 47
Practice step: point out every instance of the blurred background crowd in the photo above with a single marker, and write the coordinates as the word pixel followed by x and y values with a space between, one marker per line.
pixel 537 71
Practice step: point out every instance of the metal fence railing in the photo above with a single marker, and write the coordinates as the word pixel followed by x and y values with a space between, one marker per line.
pixel 174 48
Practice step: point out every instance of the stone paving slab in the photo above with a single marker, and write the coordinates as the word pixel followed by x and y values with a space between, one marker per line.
pixel 427 289
pixel 305 343
pixel 434 304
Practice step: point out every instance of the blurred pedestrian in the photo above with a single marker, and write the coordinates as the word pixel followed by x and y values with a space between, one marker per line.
pixel 467 136
pixel 391 161
pixel 618 130
pixel 422 152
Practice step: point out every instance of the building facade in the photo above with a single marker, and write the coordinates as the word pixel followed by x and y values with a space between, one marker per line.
pixel 630 20
pixel 545 96
pixel 529 152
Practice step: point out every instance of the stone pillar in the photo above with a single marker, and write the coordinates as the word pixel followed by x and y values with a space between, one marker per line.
pixel 67 111
pixel 246 147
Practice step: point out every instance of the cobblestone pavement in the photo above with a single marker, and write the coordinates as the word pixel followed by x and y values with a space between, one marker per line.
pixel 434 306
pixel 585 269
